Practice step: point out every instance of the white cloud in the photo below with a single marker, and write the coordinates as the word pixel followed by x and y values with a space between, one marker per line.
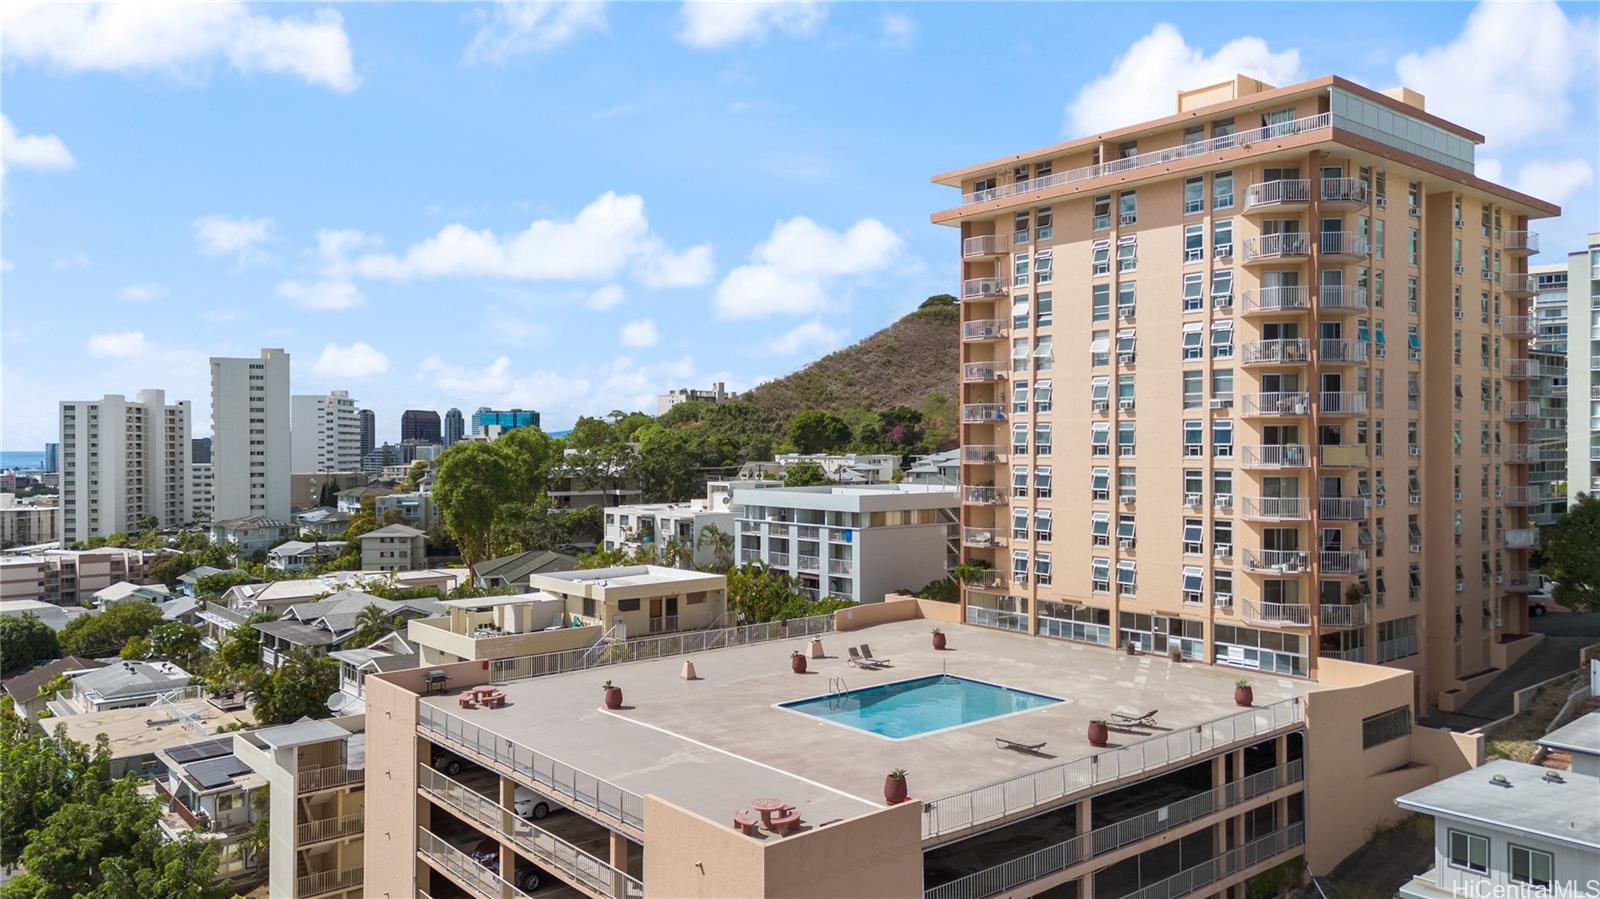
pixel 562 395
pixel 899 30
pixel 322 294
pixel 179 38
pixel 813 335
pixel 1488 169
pixel 358 360
pixel 790 272
pixel 516 29
pixel 720 23
pixel 457 379
pixel 605 297
pixel 142 293
pixel 116 345
pixel 228 235
pixel 664 268
pixel 334 246
pixel 79 259
pixel 1144 81
pixel 1556 182
pixel 1509 71
pixel 639 333
pixel 597 244
pixel 39 152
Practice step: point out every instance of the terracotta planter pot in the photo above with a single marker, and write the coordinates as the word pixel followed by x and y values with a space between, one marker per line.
pixel 797 664
pixel 1098 733
pixel 1132 650
pixel 938 641
pixel 1244 696
pixel 894 790
pixel 613 697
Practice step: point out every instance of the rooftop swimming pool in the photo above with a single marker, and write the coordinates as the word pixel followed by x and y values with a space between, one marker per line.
pixel 911 708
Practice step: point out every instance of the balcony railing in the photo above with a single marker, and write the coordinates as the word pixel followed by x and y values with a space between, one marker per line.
pixel 985 245
pixel 1277 404
pixel 1279 298
pixel 1522 410
pixel 840 566
pixel 328 777
pixel 1341 298
pixel 1287 351
pixel 1343 615
pixel 328 829
pixel 1277 193
pixel 1522 538
pixel 980 371
pixel 983 329
pixel 1342 508
pixel 1344 190
pixel 1277 246
pixel 983 496
pixel 483 882
pixel 810 563
pixel 1151 159
pixel 1519 283
pixel 1526 495
pixel 1194 880
pixel 1348 561
pixel 1291 614
pixel 1520 581
pixel 981 412
pixel 1528 453
pixel 1521 241
pixel 1334 402
pixel 1291 508
pixel 308 885
pixel 981 454
pixel 1343 455
pixel 980 537
pixel 1518 326
pixel 1275 455
pixel 1523 369
pixel 1276 561
pixel 778 559
pixel 1341 352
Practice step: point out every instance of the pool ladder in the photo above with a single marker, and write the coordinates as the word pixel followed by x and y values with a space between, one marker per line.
pixel 836 693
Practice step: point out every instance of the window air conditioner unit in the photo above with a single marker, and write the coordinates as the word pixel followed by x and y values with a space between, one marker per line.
pixel 1193 449
pixel 1460 315
pixel 1459 223
pixel 1223 251
pixel 1127 499
pixel 1222 302
pixel 1460 587
pixel 1458 496
pixel 1224 600
pixel 1191 499
pixel 1416 499
pixel 1459 267
pixel 1127 218
pixel 1499 578
pixel 1382 501
pixel 1383 201
pixel 1125 312
pixel 1225 451
pixel 1100 405
pixel 1125 405
pixel 1224 552
pixel 1124 358
pixel 1414 451
pixel 1125 543
pixel 1221 403
pixel 1416 547
pixel 1225 502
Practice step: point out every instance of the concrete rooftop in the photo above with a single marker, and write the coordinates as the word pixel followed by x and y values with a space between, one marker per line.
pixel 1517 797
pixel 713 744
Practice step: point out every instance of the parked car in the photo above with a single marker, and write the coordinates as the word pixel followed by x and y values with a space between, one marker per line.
pixel 487 853
pixel 445 761
pixel 1536 607
pixel 532 805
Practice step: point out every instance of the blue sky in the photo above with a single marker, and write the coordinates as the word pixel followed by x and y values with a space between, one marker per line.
pixel 572 207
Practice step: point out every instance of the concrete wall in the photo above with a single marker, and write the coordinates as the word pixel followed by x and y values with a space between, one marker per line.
pixel 391 792
pixel 896 607
pixel 905 557
pixel 439 644
pixel 1575 870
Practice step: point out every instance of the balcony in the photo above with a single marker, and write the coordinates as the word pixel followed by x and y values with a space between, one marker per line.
pixel 1522 410
pixel 329 777
pixel 1281 614
pixel 1342 456
pixel 841 566
pixel 1276 561
pixel 1275 299
pixel 1275 455
pixel 1332 351
pixel 1334 402
pixel 983 496
pixel 1342 245
pixel 972 413
pixel 979 372
pixel 1518 326
pixel 1529 453
pixel 1277 194
pixel 1276 405
pixel 1341 298
pixel 985 245
pixel 982 538
pixel 1276 508
pixel 321 882
pixel 1521 243
pixel 1342 508
pixel 1526 369
pixel 1340 615
pixel 1520 581
pixel 1273 247
pixel 1519 285
pixel 1522 538
pixel 983 288
pixel 1337 562
pixel 329 829
pixel 1288 351
pixel 810 563
pixel 983 330
pixel 1343 192
pixel 1525 495
pixel 982 454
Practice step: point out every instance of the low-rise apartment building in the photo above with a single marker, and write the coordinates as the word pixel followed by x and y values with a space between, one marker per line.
pixel 500 627
pixel 395 547
pixel 209 794
pixel 670 531
pixel 70 577
pixel 301 555
pixel 848 468
pixel 858 542
pixel 137 735
pixel 719 393
pixel 415 508
pixel 1579 738
pixel 513 570
pixel 252 535
pixel 30 522
pixel 635 600
pixel 316 772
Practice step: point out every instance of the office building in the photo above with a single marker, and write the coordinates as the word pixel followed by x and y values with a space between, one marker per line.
pixel 419 426
pixel 718 393
pixel 1307 321
pixel 29 522
pixel 52 458
pixel 123 462
pixel 491 423
pixel 325 432
pixel 1546 374
pixel 1583 370
pixel 455 427
pixel 250 446
pixel 369 430
pixel 200 450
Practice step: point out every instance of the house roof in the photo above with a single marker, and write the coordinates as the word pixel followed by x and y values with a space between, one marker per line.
pixel 174 609
pixel 195 575
pixel 1517 797
pixel 122 590
pixel 25 686
pixel 338 613
pixel 300 733
pixel 394 530
pixel 1581 735
pixel 302 548
pixel 296 632
pixel 363 492
pixel 121 679
pixel 51 614
pixel 515 568
pixel 250 523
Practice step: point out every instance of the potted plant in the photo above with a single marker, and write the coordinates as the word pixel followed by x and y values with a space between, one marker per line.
pixel 613 695
pixel 938 639
pixel 1243 694
pixel 1132 647
pixel 1175 653
pixel 1099 733
pixel 797 662
pixel 894 787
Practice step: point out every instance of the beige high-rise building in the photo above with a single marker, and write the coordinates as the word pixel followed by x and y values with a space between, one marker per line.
pixel 1281 376
pixel 123 462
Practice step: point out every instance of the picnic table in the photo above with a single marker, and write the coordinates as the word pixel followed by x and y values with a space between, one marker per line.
pixel 768 808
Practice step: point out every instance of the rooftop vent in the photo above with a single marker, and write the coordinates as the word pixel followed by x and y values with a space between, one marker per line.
pixel 1553 777
pixel 1499 780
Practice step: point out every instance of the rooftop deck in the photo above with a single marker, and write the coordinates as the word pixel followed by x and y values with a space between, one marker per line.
pixel 713 744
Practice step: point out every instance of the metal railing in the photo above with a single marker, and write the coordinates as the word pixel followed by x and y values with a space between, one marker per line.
pixel 1152 158
pixel 840 566
pixel 1290 507
pixel 1083 847
pixel 1273 193
pixel 1197 878
pixel 1276 561
pixel 1275 455
pixel 1518 326
pixel 1293 402
pixel 1279 298
pixel 327 777
pixel 810 563
pixel 1522 241
pixel 950 814
pixel 1342 561
pixel 981 454
pixel 328 881
pixel 778 559
pixel 328 829
pixel 1291 244
pixel 480 881
pixel 1341 402
pixel 983 496
pixel 1339 615
pixel 981 537
pixel 1342 508
pixel 1294 614
pixel 981 412
pixel 980 371
pixel 985 245
pixel 1342 297
pixel 1344 190
pixel 1335 351
pixel 977 288
pixel 1291 350
pixel 1522 369
pixel 983 329
pixel 1342 243
pixel 1523 410
pixel 1525 495
pixel 544 847
pixel 1519 283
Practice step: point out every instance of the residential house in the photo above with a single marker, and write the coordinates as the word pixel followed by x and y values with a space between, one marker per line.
pixel 209 794
pixel 300 555
pixel 1580 740
pixel 188 581
pixel 316 628
pixel 639 600
pixel 849 468
pixel 124 591
pixel 53 615
pixel 513 570
pixel 395 547
pixel 936 468
pixel 253 534
pixel 325 520
pixel 137 735
pixel 391 652
pixel 500 627
pixel 350 500
pixel 25 688
pixel 122 685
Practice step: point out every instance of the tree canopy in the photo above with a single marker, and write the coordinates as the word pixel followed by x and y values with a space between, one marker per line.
pixel 805 473
pixel 299 688
pixel 105 633
pixel 1571 555
pixel 813 431
pixel 25 640
pixel 758 592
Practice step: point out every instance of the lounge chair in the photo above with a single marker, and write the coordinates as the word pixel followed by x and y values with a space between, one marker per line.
pixel 1032 748
pixel 856 661
pixel 1148 719
pixel 866 653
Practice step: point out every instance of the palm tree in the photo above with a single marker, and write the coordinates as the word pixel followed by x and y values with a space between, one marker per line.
pixel 720 543
pixel 372 623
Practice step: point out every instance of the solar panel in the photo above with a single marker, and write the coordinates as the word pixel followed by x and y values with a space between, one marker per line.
pixel 206 749
pixel 213 773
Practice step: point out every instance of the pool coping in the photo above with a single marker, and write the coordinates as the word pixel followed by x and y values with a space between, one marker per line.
pixel 1057 700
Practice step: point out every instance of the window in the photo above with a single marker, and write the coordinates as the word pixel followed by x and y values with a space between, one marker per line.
pixel 1100 438
pixel 1193 338
pixel 1412 246
pixel 1041 396
pixel 1021 225
pixel 1385 726
pixel 1193 541
pixel 1043 306
pixel 1019 524
pixel 1378 241
pixel 1127 207
pixel 1194 242
pixel 1046 220
pixel 1193 579
pixel 1222 288
pixel 1193 389
pixel 1100 528
pixel 1127 299
pixel 1530 866
pixel 1041 525
pixel 1193 292
pixel 1125 438
pixel 1127 578
pixel 1020 313
pixel 1019 270
pixel 1099 392
pixel 1222 339
pixel 1100 257
pixel 1194 485
pixel 1100 575
pixel 1222 384
pixel 1042 354
pixel 1019 566
pixel 1126 531
pixel 1019 397
pixel 1041 439
pixel 1194 437
pixel 1222 437
pixel 1019 354
pixel 1099 484
pixel 1019 439
pixel 1128 253
pixel 1469 851
pixel 1042 270
pixel 1194 196
pixel 1041 568
pixel 1222 238
pixel 1126 343
pixel 1041 482
pixel 1222 182
pixel 1102 213
pixel 627 605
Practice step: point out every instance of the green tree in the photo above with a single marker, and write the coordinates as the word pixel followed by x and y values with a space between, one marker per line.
pixel 212 586
pixel 614 558
pixel 417 471
pixel 757 593
pixel 529 454
pixel 805 473
pixel 43 773
pixel 105 633
pixel 178 642
pixel 720 543
pixel 667 464
pixel 937 301
pixel 900 428
pixel 372 622
pixel 25 640
pixel 815 431
pixel 676 553
pixel 938 421
pixel 471 482
pixel 1571 555
pixel 299 688
pixel 237 660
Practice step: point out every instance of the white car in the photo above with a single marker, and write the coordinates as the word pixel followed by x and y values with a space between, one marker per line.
pixel 532 805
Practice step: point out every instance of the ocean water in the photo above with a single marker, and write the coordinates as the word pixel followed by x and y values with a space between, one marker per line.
pixel 9 459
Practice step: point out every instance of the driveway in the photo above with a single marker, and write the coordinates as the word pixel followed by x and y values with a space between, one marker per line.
pixel 1565 634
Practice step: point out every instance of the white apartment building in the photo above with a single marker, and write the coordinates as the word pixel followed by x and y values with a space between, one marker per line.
pixel 719 393
pixel 858 542
pixel 27 524
pixel 250 448
pixel 1545 371
pixel 848 468
pixel 656 525
pixel 1583 370
pixel 122 461
pixel 1509 829
pixel 202 492
pixel 324 432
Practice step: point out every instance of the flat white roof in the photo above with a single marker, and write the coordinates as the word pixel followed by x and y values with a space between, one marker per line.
pixel 489 602
pixel 1582 735
pixel 626 576
pixel 1518 798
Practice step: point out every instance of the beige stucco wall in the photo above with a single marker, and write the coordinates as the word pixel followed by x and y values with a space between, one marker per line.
pixel 392 803
pixel 438 643
pixel 896 607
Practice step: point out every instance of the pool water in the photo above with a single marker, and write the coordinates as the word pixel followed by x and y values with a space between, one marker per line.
pixel 912 707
